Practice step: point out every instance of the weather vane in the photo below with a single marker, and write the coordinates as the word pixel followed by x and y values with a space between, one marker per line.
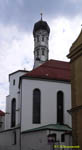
pixel 41 15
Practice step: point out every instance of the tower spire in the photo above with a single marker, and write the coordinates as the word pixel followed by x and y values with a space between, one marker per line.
pixel 41 37
pixel 41 15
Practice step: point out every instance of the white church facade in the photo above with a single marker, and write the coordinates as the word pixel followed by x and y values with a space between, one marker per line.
pixel 37 106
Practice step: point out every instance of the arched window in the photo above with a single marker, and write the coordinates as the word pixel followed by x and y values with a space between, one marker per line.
pixel 37 53
pixel 43 38
pixel 63 138
pixel 60 107
pixel 38 38
pixel 36 105
pixel 43 51
pixel 13 112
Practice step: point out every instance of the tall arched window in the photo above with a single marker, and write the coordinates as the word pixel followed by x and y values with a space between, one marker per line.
pixel 36 106
pixel 60 107
pixel 13 112
pixel 38 38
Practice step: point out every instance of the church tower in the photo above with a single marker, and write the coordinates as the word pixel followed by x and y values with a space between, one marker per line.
pixel 41 33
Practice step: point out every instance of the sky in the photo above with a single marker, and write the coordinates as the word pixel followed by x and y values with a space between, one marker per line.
pixel 17 18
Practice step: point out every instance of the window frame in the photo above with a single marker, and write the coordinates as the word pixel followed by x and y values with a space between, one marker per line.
pixel 60 105
pixel 13 81
pixel 13 112
pixel 62 137
pixel 37 53
pixel 38 38
pixel 34 116
pixel 43 38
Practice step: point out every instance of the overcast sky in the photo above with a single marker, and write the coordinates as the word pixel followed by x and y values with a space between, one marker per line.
pixel 17 18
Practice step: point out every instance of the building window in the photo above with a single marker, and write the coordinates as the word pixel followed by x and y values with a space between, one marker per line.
pixel 37 53
pixel 13 112
pixel 37 38
pixel 43 38
pixel 47 38
pixel 42 51
pixel 51 138
pixel 62 138
pixel 14 82
pixel 14 138
pixel 60 107
pixel 36 106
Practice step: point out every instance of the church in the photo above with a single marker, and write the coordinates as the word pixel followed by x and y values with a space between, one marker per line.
pixel 37 106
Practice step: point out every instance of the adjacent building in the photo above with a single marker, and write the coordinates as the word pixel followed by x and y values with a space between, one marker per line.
pixel 2 120
pixel 75 54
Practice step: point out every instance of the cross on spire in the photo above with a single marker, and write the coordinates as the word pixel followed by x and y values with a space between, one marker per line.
pixel 41 15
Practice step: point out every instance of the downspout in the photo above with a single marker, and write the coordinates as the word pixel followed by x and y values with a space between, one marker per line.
pixel 20 109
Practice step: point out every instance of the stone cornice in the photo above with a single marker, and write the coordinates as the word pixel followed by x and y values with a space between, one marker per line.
pixel 75 53
pixel 75 109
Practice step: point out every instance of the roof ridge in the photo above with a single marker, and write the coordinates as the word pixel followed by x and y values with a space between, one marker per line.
pixel 55 67
pixel 62 127
pixel 56 70
pixel 58 60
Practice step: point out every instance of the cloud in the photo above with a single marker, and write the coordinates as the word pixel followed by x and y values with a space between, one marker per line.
pixel 16 45
pixel 16 52
pixel 23 13
pixel 63 34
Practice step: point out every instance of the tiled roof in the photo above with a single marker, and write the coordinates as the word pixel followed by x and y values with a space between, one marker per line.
pixel 56 127
pixel 51 70
pixel 2 113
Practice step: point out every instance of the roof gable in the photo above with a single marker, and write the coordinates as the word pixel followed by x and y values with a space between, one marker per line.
pixel 51 70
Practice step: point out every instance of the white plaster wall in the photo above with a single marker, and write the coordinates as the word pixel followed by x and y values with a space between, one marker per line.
pixel 8 113
pixel 7 140
pixel 68 140
pixel 35 141
pixel 39 140
pixel 48 102
pixel 14 88
pixel 13 93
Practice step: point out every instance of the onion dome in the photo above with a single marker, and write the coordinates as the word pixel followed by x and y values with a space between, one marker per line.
pixel 41 25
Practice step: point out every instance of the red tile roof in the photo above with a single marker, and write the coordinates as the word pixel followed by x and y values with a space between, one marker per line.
pixel 2 113
pixel 51 70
